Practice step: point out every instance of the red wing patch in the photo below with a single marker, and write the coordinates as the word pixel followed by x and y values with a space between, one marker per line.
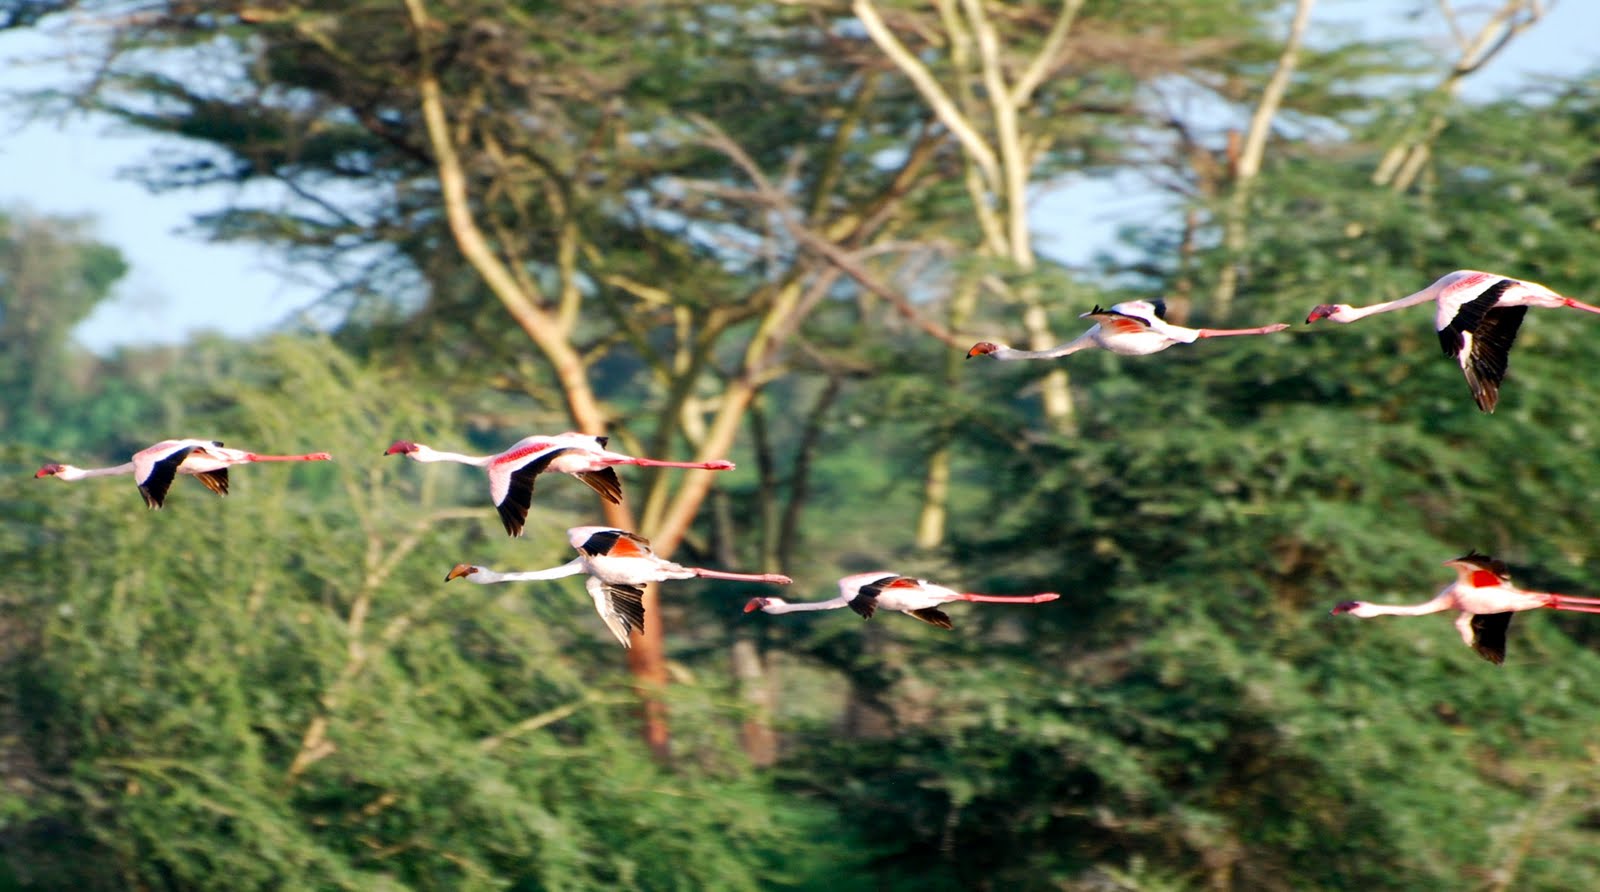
pixel 1124 325
pixel 903 582
pixel 1483 579
pixel 522 452
pixel 627 546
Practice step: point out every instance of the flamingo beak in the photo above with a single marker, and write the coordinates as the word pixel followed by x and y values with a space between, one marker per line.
pixel 460 570
pixel 753 605
pixel 1343 607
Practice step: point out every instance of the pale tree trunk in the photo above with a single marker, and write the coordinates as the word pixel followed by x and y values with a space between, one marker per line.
pixel 646 658
pixel 934 516
pixel 1254 149
pixel 999 153
pixel 1404 160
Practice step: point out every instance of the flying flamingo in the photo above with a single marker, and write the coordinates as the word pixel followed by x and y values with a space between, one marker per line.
pixel 1477 317
pixel 154 467
pixel 866 592
pixel 1131 328
pixel 1486 598
pixel 619 564
pixel 512 472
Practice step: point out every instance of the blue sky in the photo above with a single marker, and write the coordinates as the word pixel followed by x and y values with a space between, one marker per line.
pixel 179 284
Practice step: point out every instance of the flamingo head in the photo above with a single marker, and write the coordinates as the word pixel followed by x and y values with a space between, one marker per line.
pixel 1336 312
pixel 1354 608
pixel 401 447
pixel 460 570
pixel 982 348
pixel 755 604
pixel 53 470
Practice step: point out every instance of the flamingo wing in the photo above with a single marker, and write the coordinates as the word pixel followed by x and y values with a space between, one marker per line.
pixel 605 482
pixel 1484 349
pixel 216 481
pixel 933 616
pixel 1114 320
pixel 621 606
pixel 158 476
pixel 511 485
pixel 1489 635
pixel 615 543
pixel 866 600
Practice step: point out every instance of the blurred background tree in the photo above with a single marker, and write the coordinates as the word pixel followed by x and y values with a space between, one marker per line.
pixel 768 231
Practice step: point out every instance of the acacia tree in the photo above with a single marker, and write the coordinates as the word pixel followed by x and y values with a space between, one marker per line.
pixel 543 148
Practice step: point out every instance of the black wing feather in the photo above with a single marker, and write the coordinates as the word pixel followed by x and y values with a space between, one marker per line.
pixel 519 495
pixel 154 488
pixel 1491 354
pixel 605 482
pixel 627 602
pixel 933 616
pixel 1489 635
pixel 216 481
pixel 1469 315
pixel 866 603
pixel 1493 330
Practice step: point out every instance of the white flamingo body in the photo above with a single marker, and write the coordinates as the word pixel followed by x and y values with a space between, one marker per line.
pixel 1130 328
pixel 512 472
pixel 1476 314
pixel 1486 599
pixel 866 593
pixel 154 467
pixel 619 564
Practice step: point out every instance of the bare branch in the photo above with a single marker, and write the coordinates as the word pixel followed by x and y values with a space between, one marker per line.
pixel 925 83
pixel 1048 55
pixel 1255 147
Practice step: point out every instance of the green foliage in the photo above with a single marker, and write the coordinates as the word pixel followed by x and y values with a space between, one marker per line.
pixel 170 667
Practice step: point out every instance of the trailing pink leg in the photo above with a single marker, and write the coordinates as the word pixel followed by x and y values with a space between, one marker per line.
pixel 1228 332
pixel 774 578
pixel 313 456
pixel 720 465
pixel 1580 305
pixel 1011 599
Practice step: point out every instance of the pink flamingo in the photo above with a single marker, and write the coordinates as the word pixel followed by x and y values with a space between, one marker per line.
pixel 154 467
pixel 1131 328
pixel 512 472
pixel 619 563
pixel 1477 317
pixel 866 592
pixel 1486 598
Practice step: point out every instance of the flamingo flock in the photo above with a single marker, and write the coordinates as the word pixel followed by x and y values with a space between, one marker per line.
pixel 1477 316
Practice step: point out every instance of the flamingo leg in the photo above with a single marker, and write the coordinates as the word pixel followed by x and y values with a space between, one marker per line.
pixel 1011 599
pixel 312 456
pixel 1580 305
pixel 720 465
pixel 1229 332
pixel 1563 603
pixel 774 578
pixel 1576 599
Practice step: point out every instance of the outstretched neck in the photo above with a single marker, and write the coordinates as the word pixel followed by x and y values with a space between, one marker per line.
pixel 80 473
pixel 570 568
pixel 427 453
pixel 1410 300
pixel 1445 600
pixel 786 607
pixel 1081 342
